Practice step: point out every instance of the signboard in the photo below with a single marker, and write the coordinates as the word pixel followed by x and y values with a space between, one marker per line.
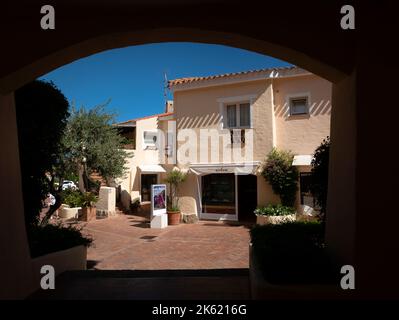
pixel 158 199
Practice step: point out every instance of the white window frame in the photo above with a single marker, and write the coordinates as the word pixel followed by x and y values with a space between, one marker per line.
pixel 150 145
pixel 238 115
pixel 301 95
pixel 218 216
pixel 224 102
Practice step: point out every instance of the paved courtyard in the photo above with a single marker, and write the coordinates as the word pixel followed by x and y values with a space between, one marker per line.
pixel 125 242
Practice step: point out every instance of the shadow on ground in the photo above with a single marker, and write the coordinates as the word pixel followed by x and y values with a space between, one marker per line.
pixel 220 284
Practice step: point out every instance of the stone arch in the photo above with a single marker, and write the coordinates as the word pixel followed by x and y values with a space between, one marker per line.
pixel 343 126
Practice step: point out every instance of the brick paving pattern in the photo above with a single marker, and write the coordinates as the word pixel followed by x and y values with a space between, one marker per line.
pixel 125 242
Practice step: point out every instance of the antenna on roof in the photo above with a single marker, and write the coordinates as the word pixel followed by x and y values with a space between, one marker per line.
pixel 165 88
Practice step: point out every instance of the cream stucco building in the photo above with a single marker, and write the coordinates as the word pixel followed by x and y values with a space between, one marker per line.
pixel 220 128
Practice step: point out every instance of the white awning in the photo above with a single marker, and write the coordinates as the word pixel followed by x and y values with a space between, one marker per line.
pixel 239 169
pixel 302 160
pixel 151 168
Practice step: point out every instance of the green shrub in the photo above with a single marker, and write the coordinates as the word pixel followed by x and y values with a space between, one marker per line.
pixel 274 210
pixel 282 176
pixel 72 198
pixel 52 238
pixel 292 253
pixel 93 186
pixel 88 199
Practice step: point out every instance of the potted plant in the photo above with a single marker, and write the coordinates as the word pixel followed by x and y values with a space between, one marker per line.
pixel 135 205
pixel 71 203
pixel 88 206
pixel 174 178
pixel 274 214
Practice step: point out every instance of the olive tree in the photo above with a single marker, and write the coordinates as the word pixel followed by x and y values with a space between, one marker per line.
pixel 92 144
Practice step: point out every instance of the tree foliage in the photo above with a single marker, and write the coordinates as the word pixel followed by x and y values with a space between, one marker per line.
pixel 42 111
pixel 319 185
pixel 282 176
pixel 92 144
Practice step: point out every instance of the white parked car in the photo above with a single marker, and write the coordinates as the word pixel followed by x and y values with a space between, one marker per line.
pixel 67 184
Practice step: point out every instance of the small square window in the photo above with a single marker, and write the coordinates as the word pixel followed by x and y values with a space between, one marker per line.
pixel 298 106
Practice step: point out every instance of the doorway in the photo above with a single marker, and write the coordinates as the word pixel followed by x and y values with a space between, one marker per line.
pixel 305 181
pixel 247 197
pixel 146 181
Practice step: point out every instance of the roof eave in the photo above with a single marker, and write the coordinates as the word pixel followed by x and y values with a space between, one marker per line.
pixel 219 81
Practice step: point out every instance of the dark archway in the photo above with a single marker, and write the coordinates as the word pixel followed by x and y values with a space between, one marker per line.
pixel 308 35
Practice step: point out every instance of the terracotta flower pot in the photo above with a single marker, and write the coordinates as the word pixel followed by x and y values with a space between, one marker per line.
pixel 88 213
pixel 174 218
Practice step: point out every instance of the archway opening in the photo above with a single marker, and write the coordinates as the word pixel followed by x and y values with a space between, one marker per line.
pixel 86 48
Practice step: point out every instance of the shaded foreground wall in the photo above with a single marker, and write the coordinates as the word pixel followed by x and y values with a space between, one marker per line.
pixel 364 221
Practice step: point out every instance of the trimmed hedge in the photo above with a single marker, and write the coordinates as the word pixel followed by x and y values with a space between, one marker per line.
pixel 52 238
pixel 293 253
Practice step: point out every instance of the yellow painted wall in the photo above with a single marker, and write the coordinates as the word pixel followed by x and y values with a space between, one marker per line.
pixel 302 134
pixel 199 109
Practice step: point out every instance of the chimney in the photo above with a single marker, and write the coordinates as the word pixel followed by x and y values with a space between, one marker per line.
pixel 169 106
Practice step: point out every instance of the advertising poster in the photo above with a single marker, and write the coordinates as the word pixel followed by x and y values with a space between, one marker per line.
pixel 158 199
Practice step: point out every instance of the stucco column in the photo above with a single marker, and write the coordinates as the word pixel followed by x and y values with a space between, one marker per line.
pixel 341 203
pixel 15 262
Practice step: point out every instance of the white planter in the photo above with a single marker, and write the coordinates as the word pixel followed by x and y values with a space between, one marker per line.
pixel 261 219
pixel 68 213
pixel 74 258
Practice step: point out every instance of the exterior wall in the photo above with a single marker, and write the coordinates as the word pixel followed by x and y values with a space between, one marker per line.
pixel 189 200
pixel 16 276
pixel 341 208
pixel 199 109
pixel 302 134
pixel 265 193
pixel 130 184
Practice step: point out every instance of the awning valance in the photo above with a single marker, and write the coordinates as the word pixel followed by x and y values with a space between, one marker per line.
pixel 151 168
pixel 302 160
pixel 238 169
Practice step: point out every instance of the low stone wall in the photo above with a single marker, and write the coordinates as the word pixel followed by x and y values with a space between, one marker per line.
pixel 261 289
pixel 70 259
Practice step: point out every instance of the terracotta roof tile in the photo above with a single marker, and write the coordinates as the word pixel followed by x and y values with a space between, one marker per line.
pixel 226 75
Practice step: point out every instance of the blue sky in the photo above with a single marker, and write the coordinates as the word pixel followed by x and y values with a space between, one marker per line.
pixel 133 77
